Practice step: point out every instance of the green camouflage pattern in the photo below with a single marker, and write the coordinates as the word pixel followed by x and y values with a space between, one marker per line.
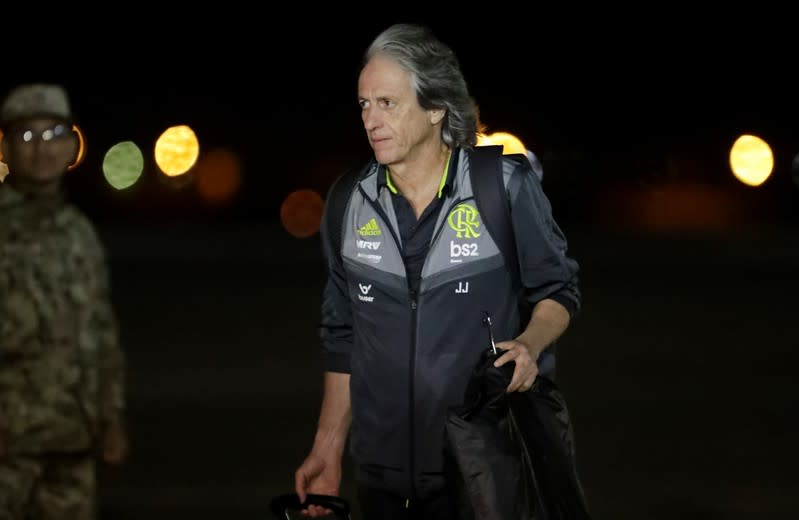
pixel 61 365
pixel 47 488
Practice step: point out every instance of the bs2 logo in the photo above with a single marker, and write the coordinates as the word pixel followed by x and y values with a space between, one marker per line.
pixel 463 219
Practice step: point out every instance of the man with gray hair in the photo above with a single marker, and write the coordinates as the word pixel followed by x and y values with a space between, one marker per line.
pixel 61 365
pixel 411 270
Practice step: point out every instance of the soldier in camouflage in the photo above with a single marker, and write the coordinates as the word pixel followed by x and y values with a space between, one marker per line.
pixel 61 366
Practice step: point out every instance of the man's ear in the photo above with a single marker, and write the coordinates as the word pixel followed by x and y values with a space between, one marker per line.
pixel 437 115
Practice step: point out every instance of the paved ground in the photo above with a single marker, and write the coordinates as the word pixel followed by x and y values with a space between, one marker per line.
pixel 679 373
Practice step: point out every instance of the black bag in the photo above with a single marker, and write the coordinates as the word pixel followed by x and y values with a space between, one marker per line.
pixel 511 456
pixel 546 438
pixel 288 506
pixel 484 434
pixel 483 460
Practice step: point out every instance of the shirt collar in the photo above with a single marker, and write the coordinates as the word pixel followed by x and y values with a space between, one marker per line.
pixel 445 186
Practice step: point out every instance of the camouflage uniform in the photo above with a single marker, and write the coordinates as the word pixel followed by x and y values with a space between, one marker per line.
pixel 61 367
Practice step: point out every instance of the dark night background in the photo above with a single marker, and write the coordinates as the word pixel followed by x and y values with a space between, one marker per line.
pixel 679 372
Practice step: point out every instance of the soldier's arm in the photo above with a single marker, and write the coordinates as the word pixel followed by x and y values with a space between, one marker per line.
pixel 111 364
pixel 110 360
pixel 111 357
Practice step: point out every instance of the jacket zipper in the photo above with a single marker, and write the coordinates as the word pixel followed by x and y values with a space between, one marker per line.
pixel 414 308
pixel 412 358
pixel 414 303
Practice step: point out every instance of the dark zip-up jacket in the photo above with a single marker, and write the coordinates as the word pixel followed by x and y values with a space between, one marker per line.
pixel 410 356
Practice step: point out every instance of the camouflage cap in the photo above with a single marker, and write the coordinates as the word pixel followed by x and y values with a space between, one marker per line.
pixel 35 100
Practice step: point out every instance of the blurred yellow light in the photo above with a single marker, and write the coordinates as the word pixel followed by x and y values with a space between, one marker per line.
pixel 176 150
pixel 751 160
pixel 510 143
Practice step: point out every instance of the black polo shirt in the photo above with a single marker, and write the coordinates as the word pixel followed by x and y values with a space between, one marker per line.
pixel 416 235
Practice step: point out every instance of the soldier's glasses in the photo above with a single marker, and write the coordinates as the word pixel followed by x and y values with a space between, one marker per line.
pixel 52 133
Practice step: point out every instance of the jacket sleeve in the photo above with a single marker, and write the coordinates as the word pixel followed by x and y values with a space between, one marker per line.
pixel 546 269
pixel 336 319
pixel 111 359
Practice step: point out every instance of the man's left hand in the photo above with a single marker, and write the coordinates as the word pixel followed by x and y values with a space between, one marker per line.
pixel 526 369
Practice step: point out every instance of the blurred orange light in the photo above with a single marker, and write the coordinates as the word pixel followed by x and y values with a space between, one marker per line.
pixel 217 176
pixel 301 213
pixel 81 148
pixel 510 143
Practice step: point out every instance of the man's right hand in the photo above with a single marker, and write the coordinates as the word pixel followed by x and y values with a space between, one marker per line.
pixel 318 476
pixel 320 472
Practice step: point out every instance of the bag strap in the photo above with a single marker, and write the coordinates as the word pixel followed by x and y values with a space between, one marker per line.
pixel 337 204
pixel 493 204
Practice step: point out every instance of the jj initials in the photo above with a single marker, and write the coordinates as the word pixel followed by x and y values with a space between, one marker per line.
pixel 463 287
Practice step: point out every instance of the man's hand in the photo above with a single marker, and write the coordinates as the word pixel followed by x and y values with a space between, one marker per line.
pixel 318 476
pixel 526 369
pixel 547 323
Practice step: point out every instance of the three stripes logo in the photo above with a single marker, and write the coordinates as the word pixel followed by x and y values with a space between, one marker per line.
pixel 370 229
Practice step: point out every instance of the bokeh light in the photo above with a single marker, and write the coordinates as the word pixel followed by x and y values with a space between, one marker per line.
pixel 81 155
pixel 217 176
pixel 510 143
pixel 123 164
pixel 751 160
pixel 176 150
pixel 301 213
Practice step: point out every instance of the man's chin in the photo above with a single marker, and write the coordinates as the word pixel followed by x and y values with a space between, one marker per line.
pixel 383 157
pixel 44 178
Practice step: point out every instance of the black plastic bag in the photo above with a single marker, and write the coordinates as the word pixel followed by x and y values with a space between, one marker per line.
pixel 511 456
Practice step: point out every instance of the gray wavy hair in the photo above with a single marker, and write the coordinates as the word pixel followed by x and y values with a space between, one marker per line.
pixel 436 78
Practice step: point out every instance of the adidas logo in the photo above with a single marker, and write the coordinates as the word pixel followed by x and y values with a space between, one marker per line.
pixel 370 229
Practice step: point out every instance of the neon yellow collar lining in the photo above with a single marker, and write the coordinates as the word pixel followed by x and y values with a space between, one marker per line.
pixel 440 184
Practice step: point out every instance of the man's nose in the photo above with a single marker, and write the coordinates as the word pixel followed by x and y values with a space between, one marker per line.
pixel 370 119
